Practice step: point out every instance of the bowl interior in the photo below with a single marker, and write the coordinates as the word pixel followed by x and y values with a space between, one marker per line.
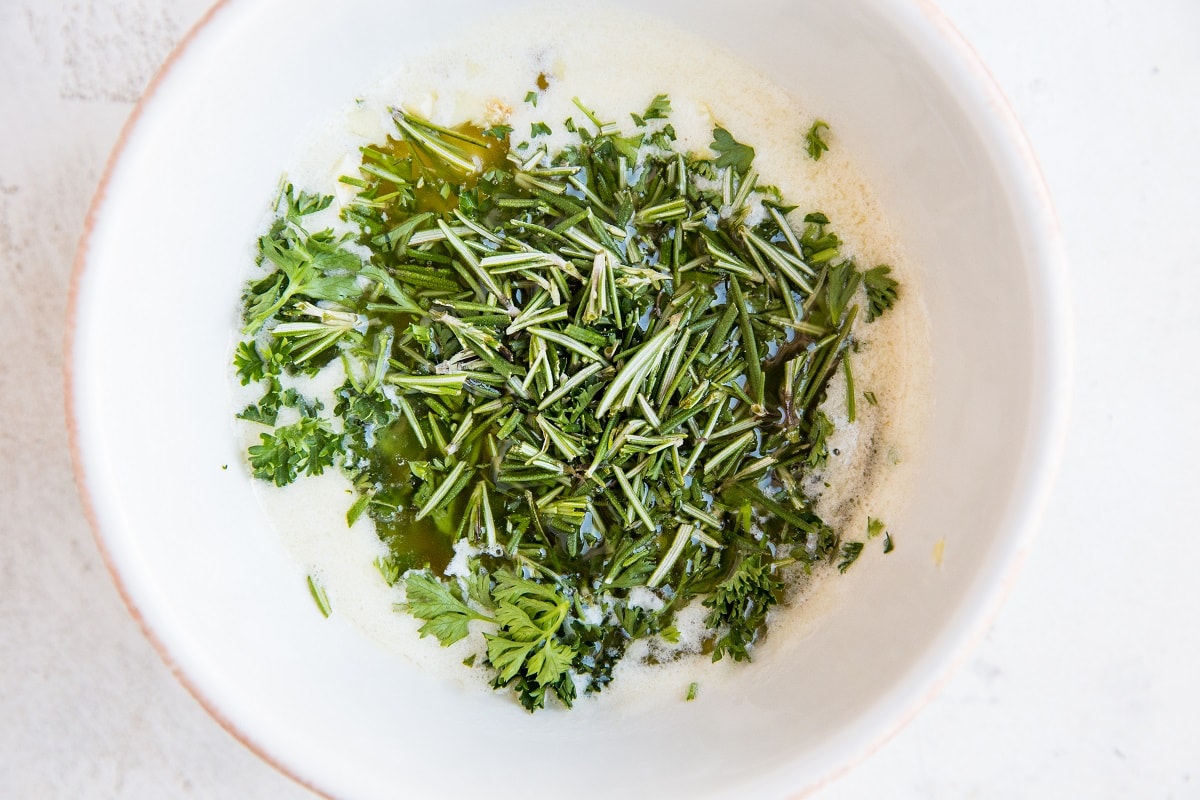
pixel 154 322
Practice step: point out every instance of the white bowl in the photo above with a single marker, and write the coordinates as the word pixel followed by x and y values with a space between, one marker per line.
pixel 149 341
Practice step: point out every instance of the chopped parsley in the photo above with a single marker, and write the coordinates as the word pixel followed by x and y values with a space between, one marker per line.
pixel 500 132
pixel 732 152
pixel 740 604
pixel 882 291
pixel 305 447
pixel 850 553
pixel 659 108
pixel 816 145
pixel 319 597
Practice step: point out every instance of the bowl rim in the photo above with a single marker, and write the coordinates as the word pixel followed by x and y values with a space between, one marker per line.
pixel 1055 380
pixel 78 267
pixel 1052 383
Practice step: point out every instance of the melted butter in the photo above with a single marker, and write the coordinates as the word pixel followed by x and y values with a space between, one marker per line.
pixel 437 186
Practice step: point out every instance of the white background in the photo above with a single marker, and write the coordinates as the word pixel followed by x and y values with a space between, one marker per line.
pixel 1087 683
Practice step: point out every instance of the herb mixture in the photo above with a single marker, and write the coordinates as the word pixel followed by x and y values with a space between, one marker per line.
pixel 596 373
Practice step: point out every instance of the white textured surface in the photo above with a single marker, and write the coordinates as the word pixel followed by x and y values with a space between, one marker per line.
pixel 1084 686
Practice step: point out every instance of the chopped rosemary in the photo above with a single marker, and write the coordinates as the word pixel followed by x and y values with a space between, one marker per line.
pixel 586 371
pixel 319 597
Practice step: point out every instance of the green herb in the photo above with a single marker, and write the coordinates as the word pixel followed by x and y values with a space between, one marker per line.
pixel 304 447
pixel 818 452
pixel 389 569
pixel 659 108
pixel 319 597
pixel 874 527
pixel 740 605
pixel 313 266
pixel 693 689
pixel 816 145
pixel 500 132
pixel 850 553
pixel 882 291
pixel 528 648
pixel 446 616
pixel 841 284
pixel 888 544
pixel 356 510
pixel 586 367
pixel 732 152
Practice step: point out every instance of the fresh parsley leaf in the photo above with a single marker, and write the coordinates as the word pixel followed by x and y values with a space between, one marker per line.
pixel 302 204
pixel 533 696
pixel 882 291
pixel 659 108
pixel 850 554
pixel 468 203
pixel 249 363
pixel 313 266
pixel 500 132
pixel 816 145
pixel 732 152
pixel 874 527
pixel 539 129
pixel 508 655
pixel 266 410
pixel 740 605
pixel 307 446
pixel 664 138
pixel 526 609
pixel 818 452
pixel 531 97
pixel 549 663
pixel 388 568
pixel 526 645
pixel 445 615
pixel 628 145
pixel 888 544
